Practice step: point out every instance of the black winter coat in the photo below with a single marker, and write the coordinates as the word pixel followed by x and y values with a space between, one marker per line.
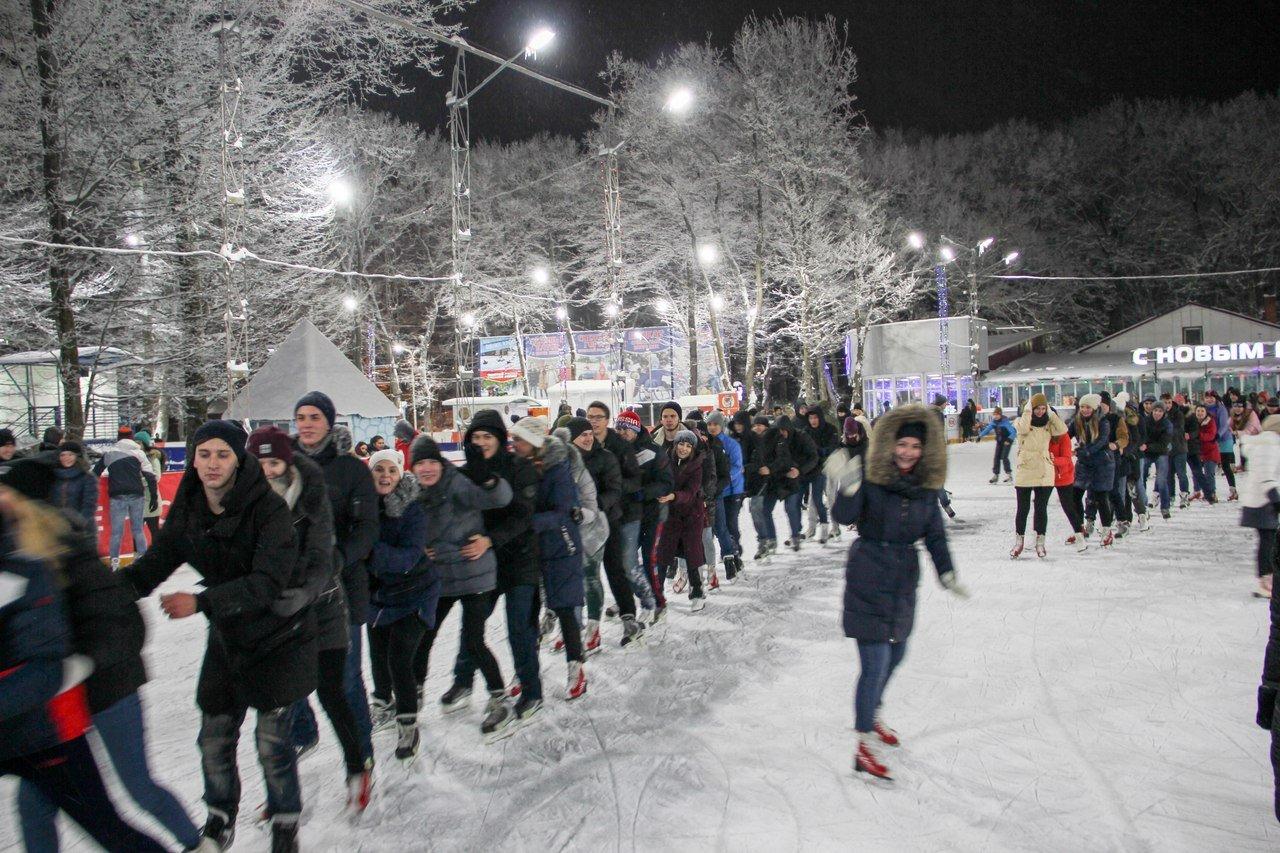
pixel 510 528
pixel 317 580
pixel 751 478
pixel 655 477
pixel 76 490
pixel 246 558
pixel 780 452
pixel 1158 436
pixel 355 516
pixel 892 513
pixel 607 475
pixel 1177 418
pixel 723 471
pixel 629 467
pixel 106 625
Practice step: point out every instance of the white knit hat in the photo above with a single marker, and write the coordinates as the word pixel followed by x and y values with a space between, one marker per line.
pixel 1122 400
pixel 533 430
pixel 395 457
pixel 1093 401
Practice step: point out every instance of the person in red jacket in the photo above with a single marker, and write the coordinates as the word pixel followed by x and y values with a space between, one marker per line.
pixel 1064 480
pixel 1206 472
pixel 404 435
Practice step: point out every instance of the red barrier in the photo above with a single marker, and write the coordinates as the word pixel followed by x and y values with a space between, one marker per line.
pixel 168 489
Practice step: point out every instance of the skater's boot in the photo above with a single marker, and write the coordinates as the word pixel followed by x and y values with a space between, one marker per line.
pixel 359 791
pixel 822 534
pixel 1264 587
pixel 1195 496
pixel 407 738
pixel 1122 528
pixel 1041 552
pixel 1164 513
pixel 811 530
pixel 762 550
pixel 527 708
pixel 1233 495
pixel 591 637
pixel 1081 543
pixel 1144 522
pixel 456 698
pixel 497 713
pixel 382 714
pixel 795 544
pixel 219 830
pixel 995 478
pixel 632 631
pixel 835 531
pixel 714 582
pixel 681 582
pixel 115 564
pixel 546 625
pixel 773 547
pixel 951 513
pixel 284 835
pixel 1008 478
pixel 865 759
pixel 1184 501
pixel 1016 550
pixel 1088 529
pixel 1108 537
pixel 730 570
pixel 515 688
pixel 887 736
pixel 697 603
pixel 577 686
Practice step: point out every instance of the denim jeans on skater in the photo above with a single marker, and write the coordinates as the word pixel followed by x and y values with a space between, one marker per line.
pixel 634 567
pixel 218 739
pixel 792 506
pixel 879 660
pixel 1177 468
pixel 726 513
pixel 762 518
pixel 816 490
pixel 592 587
pixel 523 606
pixel 132 508
pixel 123 733
pixel 649 539
pixel 1123 510
pixel 1163 484
pixel 1206 481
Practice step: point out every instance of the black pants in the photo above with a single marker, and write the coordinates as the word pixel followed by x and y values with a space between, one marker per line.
pixel 1070 507
pixel 616 573
pixel 572 633
pixel 393 650
pixel 1266 552
pixel 1228 467
pixel 1002 457
pixel 1100 503
pixel 153 526
pixel 333 698
pixel 68 778
pixel 475 611
pixel 1041 520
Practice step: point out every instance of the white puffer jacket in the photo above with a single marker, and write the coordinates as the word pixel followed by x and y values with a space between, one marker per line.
pixel 1260 487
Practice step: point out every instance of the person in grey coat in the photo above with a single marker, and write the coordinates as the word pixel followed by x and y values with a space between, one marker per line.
pixel 455 501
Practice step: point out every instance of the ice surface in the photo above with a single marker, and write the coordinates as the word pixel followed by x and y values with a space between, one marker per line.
pixel 1095 702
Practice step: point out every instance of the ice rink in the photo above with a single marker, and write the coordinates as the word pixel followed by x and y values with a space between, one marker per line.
pixel 1095 702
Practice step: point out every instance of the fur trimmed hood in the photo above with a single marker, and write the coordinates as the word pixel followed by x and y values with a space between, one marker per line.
pixel 406 493
pixel 553 452
pixel 932 467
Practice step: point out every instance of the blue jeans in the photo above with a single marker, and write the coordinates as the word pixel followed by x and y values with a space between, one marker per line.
pixel 1177 467
pixel 879 660
pixel 762 518
pixel 727 523
pixel 792 507
pixel 633 566
pixel 944 498
pixel 303 728
pixel 123 733
pixel 219 736
pixel 648 539
pixel 133 508
pixel 523 604
pixel 1118 492
pixel 815 489
pixel 1206 474
pixel 1164 483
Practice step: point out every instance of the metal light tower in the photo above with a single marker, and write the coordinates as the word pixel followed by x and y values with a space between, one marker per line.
pixel 232 203
pixel 460 204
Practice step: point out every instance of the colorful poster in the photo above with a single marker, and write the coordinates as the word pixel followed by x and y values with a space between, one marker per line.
pixel 646 356
pixel 499 360
pixel 547 362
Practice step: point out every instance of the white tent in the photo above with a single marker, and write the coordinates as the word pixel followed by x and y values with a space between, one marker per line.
pixel 308 361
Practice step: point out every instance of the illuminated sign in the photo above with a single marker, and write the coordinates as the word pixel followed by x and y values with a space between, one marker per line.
pixel 1202 353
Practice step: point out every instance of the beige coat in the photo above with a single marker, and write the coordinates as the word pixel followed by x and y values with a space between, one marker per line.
pixel 1035 463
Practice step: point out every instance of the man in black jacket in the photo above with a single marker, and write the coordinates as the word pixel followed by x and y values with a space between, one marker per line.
pixel 624 538
pixel 509 532
pixel 787 456
pixel 227 523
pixel 655 482
pixel 355 524
pixel 826 439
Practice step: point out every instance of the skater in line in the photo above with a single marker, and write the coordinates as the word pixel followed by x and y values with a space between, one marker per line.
pixel 1095 461
pixel 682 531
pixel 593 528
pixel 655 481
pixel 826 439
pixel 1034 478
pixel 787 456
pixel 729 500
pixel 1157 441
pixel 1004 433
pixel 1205 468
pixel 622 564
pixel 894 504
pixel 1244 423
pixel 1178 415
pixel 757 486
pixel 1260 497
pixel 1064 479
pixel 853 444
pixel 1220 411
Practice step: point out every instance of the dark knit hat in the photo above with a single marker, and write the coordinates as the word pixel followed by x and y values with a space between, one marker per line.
pixel 52 435
pixel 851 427
pixel 912 429
pixel 674 406
pixel 424 447
pixel 33 476
pixel 939 400
pixel 760 419
pixel 687 435
pixel 784 422
pixel 628 420
pixel 716 417
pixel 271 442
pixel 321 401
pixel 229 431
pixel 487 420
pixel 694 415
pixel 70 446
pixel 403 431
pixel 7 437
pixel 577 426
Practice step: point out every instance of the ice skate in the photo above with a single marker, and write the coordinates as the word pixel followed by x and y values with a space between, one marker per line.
pixel 632 631
pixel 456 698
pixel 714 583
pixel 515 689
pixel 1164 513
pixel 681 583
pixel 1195 496
pixel 577 683
pixel 811 531
pixel 546 625
pixel 1108 537
pixel 1008 478
pixel 497 716
pixel 611 612
pixel 1264 587
pixel 1016 551
pixel 762 550
pixel 835 531
pixel 1232 495
pixel 1081 543
pixel 591 637
pixel 1184 501
pixel 526 709
pixel 887 735
pixel 1122 529
pixel 284 836
pixel 359 793
pixel 407 739
pixel 381 714
pixel 794 542
pixel 995 478
pixel 219 830
pixel 866 761
pixel 1144 522
pixel 730 570
pixel 951 513
pixel 115 564
pixel 1088 529
pixel 696 604
pixel 1041 551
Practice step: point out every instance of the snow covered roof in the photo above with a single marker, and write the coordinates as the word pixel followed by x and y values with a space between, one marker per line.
pixel 1063 366
pixel 308 361
pixel 998 341
pixel 105 358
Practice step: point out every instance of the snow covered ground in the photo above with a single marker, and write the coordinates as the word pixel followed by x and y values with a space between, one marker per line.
pixel 1095 702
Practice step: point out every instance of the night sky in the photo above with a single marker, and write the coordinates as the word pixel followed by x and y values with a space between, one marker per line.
pixel 924 65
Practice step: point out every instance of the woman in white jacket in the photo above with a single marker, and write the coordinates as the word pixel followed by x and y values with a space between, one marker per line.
pixel 1260 496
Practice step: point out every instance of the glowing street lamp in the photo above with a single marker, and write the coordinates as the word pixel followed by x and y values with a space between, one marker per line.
pixel 663 306
pixel 680 100
pixel 562 313
pixel 541 37
pixel 916 240
pixel 468 320
pixel 1010 258
pixel 717 303
pixel 985 244
pixel 133 241
pixel 947 253
pixel 399 348
pixel 540 275
pixel 341 193
pixel 708 254
pixel 611 310
pixel 350 303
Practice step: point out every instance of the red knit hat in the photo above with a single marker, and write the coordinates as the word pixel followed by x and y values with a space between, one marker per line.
pixel 628 420
pixel 270 442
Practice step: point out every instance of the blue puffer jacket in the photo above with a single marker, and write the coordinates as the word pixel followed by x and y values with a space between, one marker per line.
pixel 34 640
pixel 893 512
pixel 732 449
pixel 402 581
pixel 76 490
pixel 559 541
pixel 1095 463
pixel 1003 429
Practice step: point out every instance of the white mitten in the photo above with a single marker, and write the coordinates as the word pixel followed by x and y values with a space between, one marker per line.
pixel 844 472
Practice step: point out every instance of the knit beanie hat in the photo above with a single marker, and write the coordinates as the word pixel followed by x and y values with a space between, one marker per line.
pixel 1122 400
pixel 33 476
pixel 939 400
pixel 321 401
pixel 142 437
pixel 687 436
pixel 271 442
pixel 674 406
pixel 7 437
pixel 576 427
pixel 628 420
pixel 1093 401
pixel 395 457
pixel 229 431
pixel 1105 397
pixel 125 431
pixel 760 419
pixel 533 430
pixel 70 446
pixel 912 429
pixel 424 448
pixel 717 418
pixel 695 415
pixel 490 421
pixel 851 427
pixel 1038 400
